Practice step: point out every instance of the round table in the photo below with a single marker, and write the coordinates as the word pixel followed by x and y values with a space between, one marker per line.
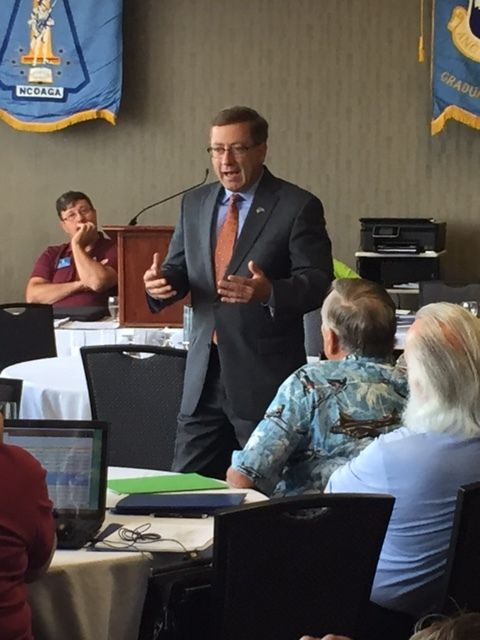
pixel 53 388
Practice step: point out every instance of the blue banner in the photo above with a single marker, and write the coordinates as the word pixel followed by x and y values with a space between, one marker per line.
pixel 60 62
pixel 456 63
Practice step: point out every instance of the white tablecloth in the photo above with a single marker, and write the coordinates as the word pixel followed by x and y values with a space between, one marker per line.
pixel 70 336
pixel 56 388
pixel 53 388
pixel 88 595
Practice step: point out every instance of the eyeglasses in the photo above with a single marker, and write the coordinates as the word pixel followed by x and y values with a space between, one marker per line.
pixel 78 213
pixel 237 150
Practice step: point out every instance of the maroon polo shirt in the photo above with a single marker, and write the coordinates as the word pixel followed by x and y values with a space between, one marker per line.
pixel 56 264
pixel 26 536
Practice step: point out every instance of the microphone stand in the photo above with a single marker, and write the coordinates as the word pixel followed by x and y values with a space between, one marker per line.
pixel 133 221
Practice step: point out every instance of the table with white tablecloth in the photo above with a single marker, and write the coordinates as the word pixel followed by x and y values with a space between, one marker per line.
pixel 56 388
pixel 87 595
pixel 71 335
pixel 93 595
pixel 53 388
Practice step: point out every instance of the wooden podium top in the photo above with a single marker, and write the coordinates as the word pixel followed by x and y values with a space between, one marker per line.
pixel 126 228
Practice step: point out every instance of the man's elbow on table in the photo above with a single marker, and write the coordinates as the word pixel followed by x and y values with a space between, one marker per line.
pixel 239 480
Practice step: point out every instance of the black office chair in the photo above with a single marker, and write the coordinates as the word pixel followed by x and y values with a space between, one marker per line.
pixel 462 584
pixel 140 398
pixel 312 322
pixel 26 333
pixel 439 291
pixel 285 568
pixel 11 391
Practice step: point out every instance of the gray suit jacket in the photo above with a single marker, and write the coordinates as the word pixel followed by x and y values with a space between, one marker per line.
pixel 285 234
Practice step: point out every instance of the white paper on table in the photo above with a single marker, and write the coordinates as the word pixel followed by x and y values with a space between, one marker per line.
pixel 194 534
pixel 59 322
pixel 94 326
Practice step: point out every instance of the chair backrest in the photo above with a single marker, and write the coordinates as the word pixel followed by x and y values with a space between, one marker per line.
pixel 26 333
pixel 296 566
pixel 462 583
pixel 312 322
pixel 140 398
pixel 439 291
pixel 11 391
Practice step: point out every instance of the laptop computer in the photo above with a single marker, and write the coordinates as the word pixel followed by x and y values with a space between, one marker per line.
pixel 74 455
pixel 83 314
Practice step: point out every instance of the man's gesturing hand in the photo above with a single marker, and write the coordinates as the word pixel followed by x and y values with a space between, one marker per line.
pixel 156 286
pixel 239 289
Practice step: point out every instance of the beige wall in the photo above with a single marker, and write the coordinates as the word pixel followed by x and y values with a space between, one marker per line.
pixel 347 102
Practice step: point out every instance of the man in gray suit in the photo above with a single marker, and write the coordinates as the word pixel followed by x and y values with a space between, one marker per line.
pixel 247 332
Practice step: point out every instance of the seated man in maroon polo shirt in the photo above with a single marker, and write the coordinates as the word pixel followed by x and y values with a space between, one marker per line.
pixel 82 272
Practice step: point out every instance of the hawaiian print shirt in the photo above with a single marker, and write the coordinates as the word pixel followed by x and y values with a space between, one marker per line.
pixel 323 415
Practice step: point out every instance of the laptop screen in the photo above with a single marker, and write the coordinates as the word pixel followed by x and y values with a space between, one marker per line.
pixel 73 453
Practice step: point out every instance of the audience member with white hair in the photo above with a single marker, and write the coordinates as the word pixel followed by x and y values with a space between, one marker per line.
pixel 424 463
pixel 465 626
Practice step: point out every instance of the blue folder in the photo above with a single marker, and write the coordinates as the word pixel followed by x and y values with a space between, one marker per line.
pixel 177 504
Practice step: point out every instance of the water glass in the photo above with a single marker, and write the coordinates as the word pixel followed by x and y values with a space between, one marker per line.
pixel 187 324
pixel 471 306
pixel 167 337
pixel 113 307
pixel 9 410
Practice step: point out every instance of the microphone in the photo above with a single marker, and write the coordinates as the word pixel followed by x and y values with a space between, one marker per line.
pixel 133 221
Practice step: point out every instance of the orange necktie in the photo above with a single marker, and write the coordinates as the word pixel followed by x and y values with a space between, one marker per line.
pixel 226 238
pixel 225 243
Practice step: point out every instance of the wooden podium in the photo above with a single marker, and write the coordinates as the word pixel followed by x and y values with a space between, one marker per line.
pixel 136 246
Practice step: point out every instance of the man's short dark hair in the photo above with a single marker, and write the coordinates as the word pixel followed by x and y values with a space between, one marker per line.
pixel 234 115
pixel 362 314
pixel 68 198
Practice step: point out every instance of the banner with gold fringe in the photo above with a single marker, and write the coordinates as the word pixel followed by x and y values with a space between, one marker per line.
pixel 60 62
pixel 456 63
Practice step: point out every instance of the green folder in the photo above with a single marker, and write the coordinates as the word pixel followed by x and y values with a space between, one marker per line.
pixel 164 484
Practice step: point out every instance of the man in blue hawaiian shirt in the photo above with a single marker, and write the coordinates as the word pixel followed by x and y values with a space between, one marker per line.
pixel 325 413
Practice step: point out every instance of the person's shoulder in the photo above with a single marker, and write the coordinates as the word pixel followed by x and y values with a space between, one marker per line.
pixel 392 438
pixel 200 193
pixel 392 376
pixel 328 371
pixel 349 368
pixel 22 460
pixel 323 369
pixel 316 375
pixel 55 249
pixel 298 386
pixel 51 253
pixel 286 188
pixel 369 367
pixel 384 446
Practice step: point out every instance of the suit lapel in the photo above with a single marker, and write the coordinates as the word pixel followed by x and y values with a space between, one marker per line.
pixel 262 206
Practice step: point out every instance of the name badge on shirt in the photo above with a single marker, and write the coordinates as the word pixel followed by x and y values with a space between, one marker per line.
pixel 64 262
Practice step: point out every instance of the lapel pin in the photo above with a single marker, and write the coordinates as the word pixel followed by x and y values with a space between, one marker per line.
pixel 259 210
